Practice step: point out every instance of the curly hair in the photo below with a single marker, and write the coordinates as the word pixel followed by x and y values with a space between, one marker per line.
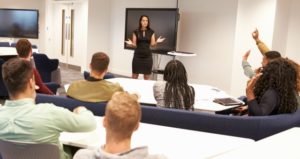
pixel 177 88
pixel 297 67
pixel 281 76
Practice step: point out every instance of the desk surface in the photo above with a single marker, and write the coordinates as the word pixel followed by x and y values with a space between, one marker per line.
pixel 204 94
pixel 11 51
pixel 173 142
pixel 278 146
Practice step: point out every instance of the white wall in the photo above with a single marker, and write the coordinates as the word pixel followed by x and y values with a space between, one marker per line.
pixel 207 28
pixel 281 26
pixel 293 39
pixel 121 59
pixel 251 14
pixel 98 36
pixel 29 4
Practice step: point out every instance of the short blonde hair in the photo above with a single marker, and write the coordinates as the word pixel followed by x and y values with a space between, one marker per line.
pixel 123 114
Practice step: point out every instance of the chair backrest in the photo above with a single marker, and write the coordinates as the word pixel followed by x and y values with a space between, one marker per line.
pixel 13 44
pixel 18 150
pixel 86 75
pixel 4 44
pixel 45 66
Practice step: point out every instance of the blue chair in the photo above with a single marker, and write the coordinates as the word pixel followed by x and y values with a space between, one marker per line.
pixel 86 74
pixel 4 44
pixel 13 44
pixel 45 66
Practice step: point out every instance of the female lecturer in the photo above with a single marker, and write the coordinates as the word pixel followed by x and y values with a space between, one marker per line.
pixel 142 39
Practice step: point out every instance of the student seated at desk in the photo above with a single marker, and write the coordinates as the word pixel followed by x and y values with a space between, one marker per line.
pixel 24 50
pixel 24 121
pixel 122 117
pixel 174 91
pixel 94 88
pixel 273 91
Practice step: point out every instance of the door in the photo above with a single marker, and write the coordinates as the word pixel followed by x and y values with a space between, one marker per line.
pixel 69 30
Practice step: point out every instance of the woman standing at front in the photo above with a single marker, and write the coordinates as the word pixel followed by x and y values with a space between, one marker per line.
pixel 142 39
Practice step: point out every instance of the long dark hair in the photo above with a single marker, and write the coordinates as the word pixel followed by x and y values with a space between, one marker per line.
pixel 140 25
pixel 177 88
pixel 281 76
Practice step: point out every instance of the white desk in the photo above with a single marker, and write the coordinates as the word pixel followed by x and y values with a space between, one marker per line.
pixel 173 142
pixel 11 51
pixel 279 146
pixel 204 94
pixel 180 53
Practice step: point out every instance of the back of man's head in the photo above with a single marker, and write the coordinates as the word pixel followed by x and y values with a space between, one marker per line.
pixel 123 114
pixel 99 62
pixel 16 73
pixel 271 55
pixel 24 48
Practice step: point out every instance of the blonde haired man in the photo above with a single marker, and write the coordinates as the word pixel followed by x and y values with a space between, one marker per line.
pixel 122 117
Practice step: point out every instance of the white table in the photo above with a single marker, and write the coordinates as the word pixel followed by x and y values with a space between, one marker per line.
pixel 180 53
pixel 173 142
pixel 279 146
pixel 11 51
pixel 204 94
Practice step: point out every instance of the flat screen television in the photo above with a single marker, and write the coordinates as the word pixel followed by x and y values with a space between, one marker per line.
pixel 163 21
pixel 19 23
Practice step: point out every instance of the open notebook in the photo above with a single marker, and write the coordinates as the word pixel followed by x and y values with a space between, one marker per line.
pixel 228 101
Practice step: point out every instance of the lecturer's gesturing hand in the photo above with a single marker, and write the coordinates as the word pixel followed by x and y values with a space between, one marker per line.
pixel 160 39
pixel 128 42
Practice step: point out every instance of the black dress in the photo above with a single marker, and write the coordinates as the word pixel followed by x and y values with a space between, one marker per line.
pixel 142 60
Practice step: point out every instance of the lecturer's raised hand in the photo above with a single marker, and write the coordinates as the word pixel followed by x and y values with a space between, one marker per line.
pixel 160 39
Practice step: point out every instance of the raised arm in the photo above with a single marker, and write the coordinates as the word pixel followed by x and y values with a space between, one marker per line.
pixel 263 48
pixel 248 71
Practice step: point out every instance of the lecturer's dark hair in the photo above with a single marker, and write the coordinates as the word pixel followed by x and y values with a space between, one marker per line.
pixel 178 94
pixel 280 75
pixel 140 25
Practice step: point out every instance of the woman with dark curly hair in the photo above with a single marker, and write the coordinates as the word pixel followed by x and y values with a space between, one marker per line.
pixel 274 90
pixel 174 91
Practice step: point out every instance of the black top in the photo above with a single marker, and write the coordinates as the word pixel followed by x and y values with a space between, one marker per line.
pixel 268 104
pixel 143 43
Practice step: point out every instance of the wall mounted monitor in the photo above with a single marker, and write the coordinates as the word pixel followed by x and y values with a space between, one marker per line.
pixel 19 23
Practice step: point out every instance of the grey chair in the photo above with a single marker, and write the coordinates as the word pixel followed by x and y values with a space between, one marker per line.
pixel 19 150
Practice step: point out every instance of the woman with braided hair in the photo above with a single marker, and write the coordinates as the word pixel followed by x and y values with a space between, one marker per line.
pixel 274 90
pixel 174 91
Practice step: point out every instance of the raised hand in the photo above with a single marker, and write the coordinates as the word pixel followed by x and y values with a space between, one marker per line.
pixel 160 39
pixel 255 34
pixel 246 55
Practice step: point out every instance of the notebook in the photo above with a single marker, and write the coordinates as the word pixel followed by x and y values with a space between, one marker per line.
pixel 228 101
